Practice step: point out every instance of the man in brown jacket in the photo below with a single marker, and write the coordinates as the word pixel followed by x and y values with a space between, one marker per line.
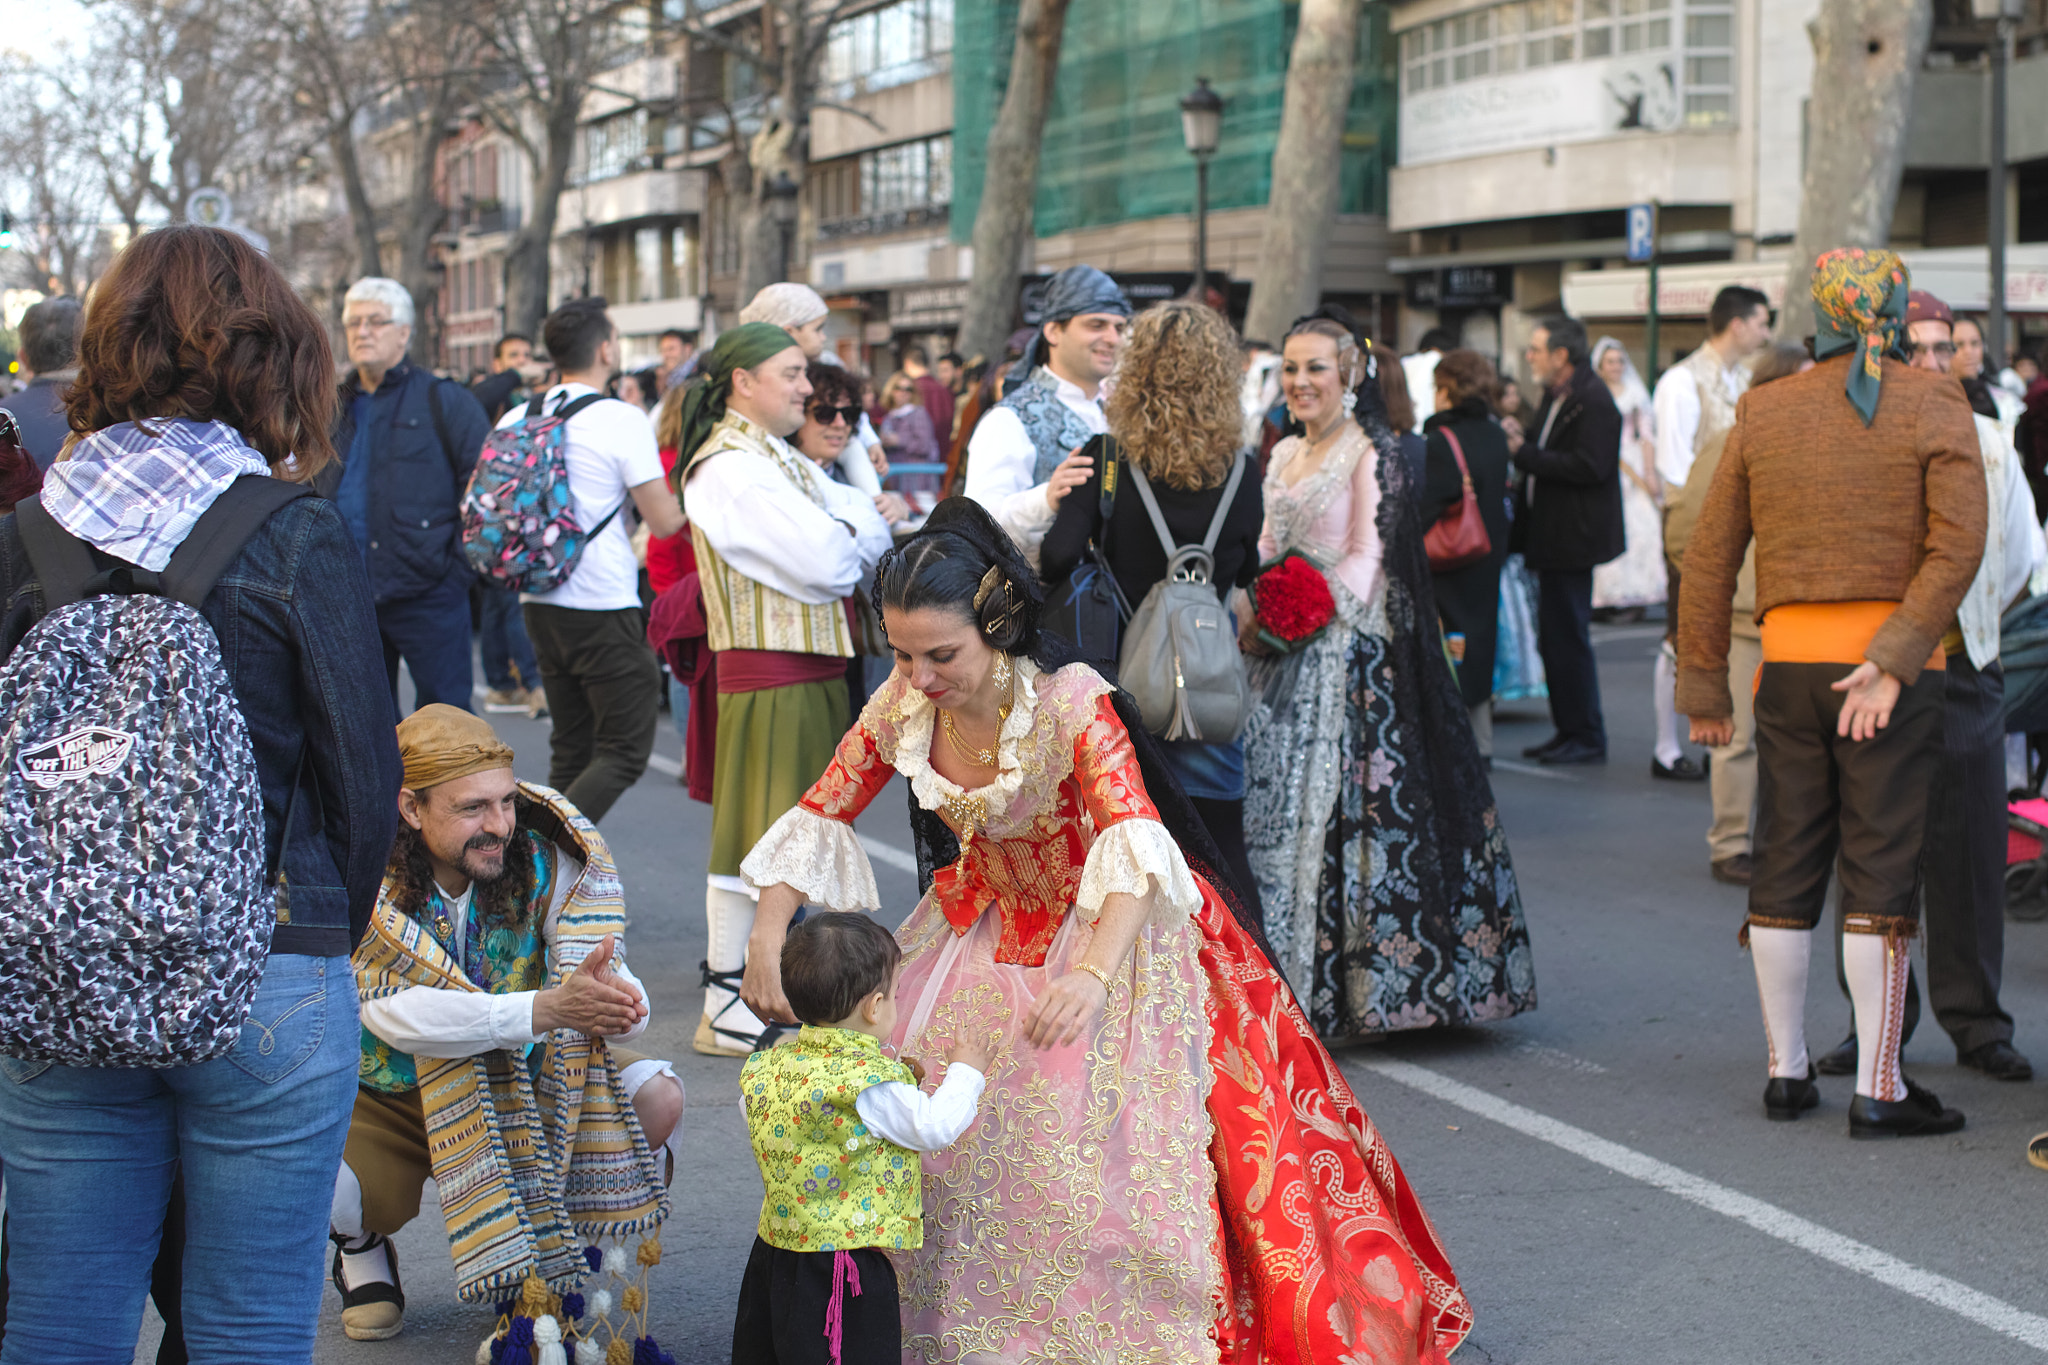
pixel 1861 483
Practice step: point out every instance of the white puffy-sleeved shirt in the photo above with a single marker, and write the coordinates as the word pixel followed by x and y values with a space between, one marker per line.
pixel 1677 418
pixel 1001 463
pixel 428 1021
pixel 910 1118
pixel 769 530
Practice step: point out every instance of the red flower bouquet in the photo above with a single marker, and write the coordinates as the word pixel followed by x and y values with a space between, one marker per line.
pixel 1292 603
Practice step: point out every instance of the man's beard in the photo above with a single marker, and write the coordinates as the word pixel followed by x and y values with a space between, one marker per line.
pixel 483 859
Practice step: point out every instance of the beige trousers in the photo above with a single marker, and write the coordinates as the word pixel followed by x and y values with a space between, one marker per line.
pixel 1733 779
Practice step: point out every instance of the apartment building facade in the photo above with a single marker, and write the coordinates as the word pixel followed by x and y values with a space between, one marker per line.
pixel 1527 129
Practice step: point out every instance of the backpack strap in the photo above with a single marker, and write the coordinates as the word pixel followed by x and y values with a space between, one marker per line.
pixel 1223 507
pixel 63 563
pixel 221 532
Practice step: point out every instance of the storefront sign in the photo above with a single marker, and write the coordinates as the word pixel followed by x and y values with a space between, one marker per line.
pixel 927 306
pixel 1462 286
pixel 1574 102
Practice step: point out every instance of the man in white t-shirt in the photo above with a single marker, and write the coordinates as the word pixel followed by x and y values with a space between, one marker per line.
pixel 590 634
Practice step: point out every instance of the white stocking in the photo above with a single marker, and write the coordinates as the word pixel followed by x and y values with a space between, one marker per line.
pixel 1876 967
pixel 1781 956
pixel 729 922
pixel 371 1265
pixel 1665 691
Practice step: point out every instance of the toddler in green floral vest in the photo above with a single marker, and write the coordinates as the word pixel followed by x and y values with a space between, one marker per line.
pixel 837 1127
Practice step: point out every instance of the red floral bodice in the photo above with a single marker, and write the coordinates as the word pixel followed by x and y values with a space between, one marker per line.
pixel 1066 772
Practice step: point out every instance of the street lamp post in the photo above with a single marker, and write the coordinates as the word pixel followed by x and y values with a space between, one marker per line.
pixel 780 192
pixel 1201 126
pixel 2003 13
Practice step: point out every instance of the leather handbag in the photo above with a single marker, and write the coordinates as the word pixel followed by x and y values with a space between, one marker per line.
pixel 1458 537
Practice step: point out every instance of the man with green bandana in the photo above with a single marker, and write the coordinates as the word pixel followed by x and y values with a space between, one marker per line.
pixel 779 548
pixel 1862 484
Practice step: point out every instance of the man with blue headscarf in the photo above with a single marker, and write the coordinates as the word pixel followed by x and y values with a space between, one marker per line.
pixel 1862 484
pixel 1022 459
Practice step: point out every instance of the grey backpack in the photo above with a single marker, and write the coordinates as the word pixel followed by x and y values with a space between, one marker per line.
pixel 136 910
pixel 1179 659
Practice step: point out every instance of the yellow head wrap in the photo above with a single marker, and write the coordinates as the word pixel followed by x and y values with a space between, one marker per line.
pixel 440 743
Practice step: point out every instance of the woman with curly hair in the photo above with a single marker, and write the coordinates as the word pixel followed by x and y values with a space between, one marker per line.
pixel 1390 900
pixel 1175 415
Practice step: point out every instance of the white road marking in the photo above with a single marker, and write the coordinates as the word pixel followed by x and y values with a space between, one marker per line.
pixel 1846 1252
pixel 1534 770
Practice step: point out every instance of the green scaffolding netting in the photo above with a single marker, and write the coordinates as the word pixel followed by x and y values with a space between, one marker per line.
pixel 1113 150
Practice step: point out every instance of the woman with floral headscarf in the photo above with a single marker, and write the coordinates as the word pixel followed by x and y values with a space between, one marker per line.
pixel 1861 483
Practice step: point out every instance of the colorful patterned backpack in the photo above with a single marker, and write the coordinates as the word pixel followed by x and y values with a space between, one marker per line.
pixel 519 527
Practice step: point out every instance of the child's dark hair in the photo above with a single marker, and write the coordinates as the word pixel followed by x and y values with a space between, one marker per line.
pixel 833 961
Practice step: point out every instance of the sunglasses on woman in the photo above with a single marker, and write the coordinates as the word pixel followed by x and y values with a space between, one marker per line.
pixel 824 414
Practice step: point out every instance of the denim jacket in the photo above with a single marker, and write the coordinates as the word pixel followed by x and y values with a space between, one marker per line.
pixel 299 639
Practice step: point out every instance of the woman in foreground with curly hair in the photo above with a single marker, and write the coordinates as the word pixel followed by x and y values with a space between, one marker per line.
pixel 1165 1164
pixel 1390 900
pixel 1175 415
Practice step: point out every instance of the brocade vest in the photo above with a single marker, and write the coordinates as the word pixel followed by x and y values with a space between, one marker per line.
pixel 1717 409
pixel 1052 426
pixel 739 612
pixel 831 1184
pixel 499 960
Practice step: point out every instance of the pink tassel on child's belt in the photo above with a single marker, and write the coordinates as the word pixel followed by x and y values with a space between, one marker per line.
pixel 844 1273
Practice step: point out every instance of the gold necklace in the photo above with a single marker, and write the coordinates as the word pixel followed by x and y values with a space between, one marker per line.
pixel 985 758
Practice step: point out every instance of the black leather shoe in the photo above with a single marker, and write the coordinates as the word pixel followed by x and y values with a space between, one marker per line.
pixel 1538 750
pixel 1736 870
pixel 1575 751
pixel 1920 1114
pixel 2000 1061
pixel 1685 770
pixel 1840 1062
pixel 1787 1097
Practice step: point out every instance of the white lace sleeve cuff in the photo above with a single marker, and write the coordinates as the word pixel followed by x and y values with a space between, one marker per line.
pixel 819 857
pixel 1132 856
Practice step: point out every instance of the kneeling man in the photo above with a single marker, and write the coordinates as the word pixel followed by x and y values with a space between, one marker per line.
pixel 494 989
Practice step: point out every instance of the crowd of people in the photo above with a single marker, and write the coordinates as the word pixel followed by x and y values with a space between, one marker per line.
pixel 1191 685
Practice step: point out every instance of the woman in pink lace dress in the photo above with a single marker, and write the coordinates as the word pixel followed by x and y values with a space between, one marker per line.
pixel 1166 1166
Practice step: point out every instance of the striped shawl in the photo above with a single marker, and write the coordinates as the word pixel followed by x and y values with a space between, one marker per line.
pixel 527 1169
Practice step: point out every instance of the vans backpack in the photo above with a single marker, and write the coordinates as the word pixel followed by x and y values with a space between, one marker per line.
pixel 136 908
pixel 519 527
pixel 1180 660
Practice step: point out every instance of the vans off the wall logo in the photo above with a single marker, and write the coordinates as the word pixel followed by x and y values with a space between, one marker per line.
pixel 89 751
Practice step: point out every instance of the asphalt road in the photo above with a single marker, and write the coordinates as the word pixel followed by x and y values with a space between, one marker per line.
pixel 1600 1170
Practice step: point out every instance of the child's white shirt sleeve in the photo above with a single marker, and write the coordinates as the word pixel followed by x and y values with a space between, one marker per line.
pixel 908 1117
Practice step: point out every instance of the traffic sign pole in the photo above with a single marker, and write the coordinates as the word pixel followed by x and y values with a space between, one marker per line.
pixel 1642 250
pixel 1654 367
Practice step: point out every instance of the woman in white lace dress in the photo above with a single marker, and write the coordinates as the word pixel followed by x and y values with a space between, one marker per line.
pixel 1637 578
pixel 1390 900
pixel 1166 1165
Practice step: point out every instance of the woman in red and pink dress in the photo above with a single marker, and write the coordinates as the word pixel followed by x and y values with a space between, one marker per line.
pixel 1167 1164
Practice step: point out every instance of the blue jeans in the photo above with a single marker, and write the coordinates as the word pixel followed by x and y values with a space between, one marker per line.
pixel 90 1153
pixel 431 633
pixel 503 641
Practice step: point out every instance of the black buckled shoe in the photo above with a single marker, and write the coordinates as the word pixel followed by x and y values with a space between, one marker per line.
pixel 1574 751
pixel 2000 1061
pixel 1538 750
pixel 374 1311
pixel 1685 770
pixel 1920 1114
pixel 1787 1097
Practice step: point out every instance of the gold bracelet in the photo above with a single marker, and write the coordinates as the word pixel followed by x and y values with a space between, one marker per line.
pixel 1098 974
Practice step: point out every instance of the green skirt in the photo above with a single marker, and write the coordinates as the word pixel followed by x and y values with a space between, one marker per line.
pixel 772 745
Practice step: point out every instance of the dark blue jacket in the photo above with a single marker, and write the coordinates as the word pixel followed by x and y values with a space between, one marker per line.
pixel 300 642
pixel 420 463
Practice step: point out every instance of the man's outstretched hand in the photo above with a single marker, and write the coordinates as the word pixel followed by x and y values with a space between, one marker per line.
pixel 592 1001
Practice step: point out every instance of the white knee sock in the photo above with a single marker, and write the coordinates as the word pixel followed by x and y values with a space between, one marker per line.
pixel 1876 967
pixel 1665 689
pixel 729 921
pixel 1781 956
pixel 361 1263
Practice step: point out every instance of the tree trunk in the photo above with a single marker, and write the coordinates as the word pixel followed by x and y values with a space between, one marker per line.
pixel 1866 56
pixel 528 258
pixel 1302 206
pixel 1009 183
pixel 762 263
pixel 423 217
pixel 362 218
